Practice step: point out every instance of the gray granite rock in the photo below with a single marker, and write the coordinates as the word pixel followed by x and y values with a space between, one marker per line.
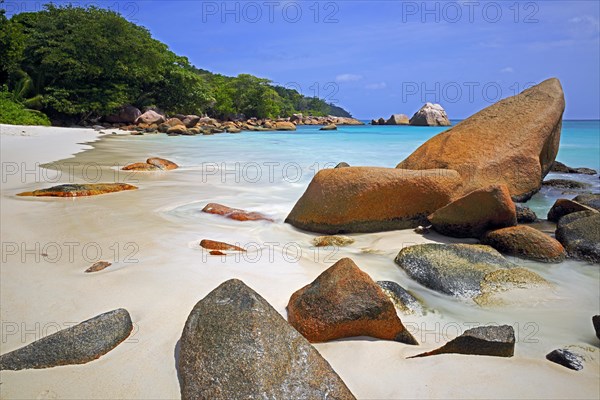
pixel 79 344
pixel 402 298
pixel 566 358
pixel 236 346
pixel 498 341
pixel 525 214
pixel 581 237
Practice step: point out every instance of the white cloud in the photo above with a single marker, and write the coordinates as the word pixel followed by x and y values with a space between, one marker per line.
pixel 348 78
pixel 507 70
pixel 376 86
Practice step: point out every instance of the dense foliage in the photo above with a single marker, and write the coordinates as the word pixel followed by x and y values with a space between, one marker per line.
pixel 15 113
pixel 84 63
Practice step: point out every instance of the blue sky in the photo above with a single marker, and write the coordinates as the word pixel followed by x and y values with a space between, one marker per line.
pixel 375 58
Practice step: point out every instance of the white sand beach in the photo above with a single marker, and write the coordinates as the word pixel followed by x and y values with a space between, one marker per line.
pixel 159 273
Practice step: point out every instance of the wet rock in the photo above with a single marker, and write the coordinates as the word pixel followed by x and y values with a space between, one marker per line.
pixel 236 346
pixel 566 184
pixel 497 341
pixel 590 200
pixel 98 266
pixel 596 323
pixel 581 237
pixel 215 245
pixel 525 214
pixel 513 142
pixel 77 190
pixel 342 165
pixel 335 240
pixel 430 115
pixel 234 213
pixel 216 253
pixel 564 207
pixel 79 344
pixel 344 302
pixel 402 299
pixel 526 242
pixel 566 358
pixel 422 230
pixel 372 199
pixel 140 166
pixel 330 127
pixel 462 270
pixel 161 163
pixel 562 168
pixel 477 212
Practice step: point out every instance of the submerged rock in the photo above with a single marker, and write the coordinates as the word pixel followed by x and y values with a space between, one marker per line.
pixel 564 207
pixel 525 214
pixel 581 236
pixel 475 213
pixel 402 298
pixel 98 266
pixel 430 115
pixel 371 199
pixel 215 245
pixel 514 142
pixel 566 184
pixel 236 346
pixel 344 302
pixel 77 190
pixel 497 341
pixel 330 127
pixel 336 240
pixel 525 242
pixel 234 213
pixel 566 358
pixel 462 270
pixel 79 344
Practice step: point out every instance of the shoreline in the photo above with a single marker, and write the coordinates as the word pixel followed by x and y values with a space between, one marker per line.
pixel 170 277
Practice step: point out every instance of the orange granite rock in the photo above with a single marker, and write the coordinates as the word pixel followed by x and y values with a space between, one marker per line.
pixel 234 213
pixel 77 190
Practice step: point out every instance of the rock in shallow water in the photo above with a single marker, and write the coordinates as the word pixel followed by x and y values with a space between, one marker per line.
pixel 402 298
pixel 566 184
pixel 371 199
pixel 525 242
pixel 77 190
pixel 581 236
pixel 562 207
pixel 236 346
pixel 475 213
pixel 344 302
pixel 234 213
pixel 590 200
pixel 335 240
pixel 463 270
pixel 498 341
pixel 215 245
pixel 98 266
pixel 514 142
pixel 79 344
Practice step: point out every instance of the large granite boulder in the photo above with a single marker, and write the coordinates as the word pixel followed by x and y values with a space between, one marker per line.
pixel 581 236
pixel 150 117
pixel 78 190
pixel 562 207
pixel 236 346
pixel 78 344
pixel 514 142
pixel 590 200
pixel 398 119
pixel 475 213
pixel 343 302
pixel 371 199
pixel 126 115
pixel 430 115
pixel 468 271
pixel 498 341
pixel 525 242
